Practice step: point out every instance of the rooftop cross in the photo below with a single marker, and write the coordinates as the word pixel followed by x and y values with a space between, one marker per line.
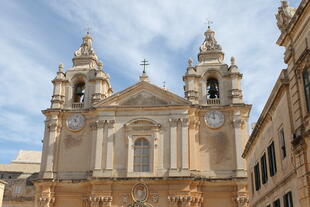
pixel 209 22
pixel 144 63
pixel 88 29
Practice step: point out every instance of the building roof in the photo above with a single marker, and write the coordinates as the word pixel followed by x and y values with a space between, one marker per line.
pixel 280 83
pixel 25 156
pixel 26 162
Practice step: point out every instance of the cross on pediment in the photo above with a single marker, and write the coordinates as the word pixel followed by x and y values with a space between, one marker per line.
pixel 144 64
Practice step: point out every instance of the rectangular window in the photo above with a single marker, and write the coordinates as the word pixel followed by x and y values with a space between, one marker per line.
pixel 263 162
pixel 276 203
pixel 257 177
pixel 272 159
pixel 288 200
pixel 282 143
pixel 306 77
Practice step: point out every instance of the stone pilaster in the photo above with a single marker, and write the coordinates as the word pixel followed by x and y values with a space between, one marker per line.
pixel 98 147
pixel 110 145
pixel 237 125
pixel 49 146
pixel 185 161
pixel 47 197
pixel 173 143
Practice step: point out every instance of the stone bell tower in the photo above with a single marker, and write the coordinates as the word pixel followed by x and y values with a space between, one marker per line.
pixel 212 82
pixel 75 90
pixel 215 89
pixel 84 84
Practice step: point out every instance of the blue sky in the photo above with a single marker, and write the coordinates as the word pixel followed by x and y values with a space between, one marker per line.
pixel 38 35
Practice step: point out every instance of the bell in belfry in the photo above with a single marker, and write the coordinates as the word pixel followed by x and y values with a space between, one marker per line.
pixel 80 90
pixel 213 93
pixel 213 89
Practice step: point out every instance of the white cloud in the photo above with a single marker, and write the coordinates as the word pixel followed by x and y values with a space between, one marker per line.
pixel 125 32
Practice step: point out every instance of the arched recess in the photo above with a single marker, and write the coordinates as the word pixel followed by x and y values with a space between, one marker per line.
pixel 78 88
pixel 149 131
pixel 212 89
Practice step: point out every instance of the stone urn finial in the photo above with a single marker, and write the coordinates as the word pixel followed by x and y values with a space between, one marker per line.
pixel 61 67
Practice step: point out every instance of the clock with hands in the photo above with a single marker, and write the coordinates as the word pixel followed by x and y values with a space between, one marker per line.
pixel 76 122
pixel 214 119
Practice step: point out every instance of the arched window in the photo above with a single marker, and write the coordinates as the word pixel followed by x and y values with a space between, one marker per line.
pixel 79 92
pixel 141 155
pixel 213 88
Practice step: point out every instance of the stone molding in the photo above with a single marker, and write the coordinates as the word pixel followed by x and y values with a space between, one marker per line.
pixel 186 200
pixel 96 201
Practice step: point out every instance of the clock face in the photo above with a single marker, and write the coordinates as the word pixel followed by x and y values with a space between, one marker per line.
pixel 214 119
pixel 76 122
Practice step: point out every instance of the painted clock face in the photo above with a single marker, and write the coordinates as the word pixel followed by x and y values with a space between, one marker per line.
pixel 76 122
pixel 214 119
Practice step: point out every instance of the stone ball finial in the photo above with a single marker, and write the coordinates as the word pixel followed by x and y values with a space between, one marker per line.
pixel 232 60
pixel 100 65
pixel 190 62
pixel 61 67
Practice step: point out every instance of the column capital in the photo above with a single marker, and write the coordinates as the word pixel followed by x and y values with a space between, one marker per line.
pixel 52 126
pixel 110 123
pixel 184 122
pixel 173 122
pixel 238 123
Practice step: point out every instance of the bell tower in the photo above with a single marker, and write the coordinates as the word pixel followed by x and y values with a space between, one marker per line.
pixel 84 84
pixel 212 82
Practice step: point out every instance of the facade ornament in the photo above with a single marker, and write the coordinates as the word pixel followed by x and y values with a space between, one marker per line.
pixel 243 201
pixel 210 42
pixel 86 48
pixel 284 15
pixel 186 200
pixel 155 198
pixel 104 201
pixel 125 198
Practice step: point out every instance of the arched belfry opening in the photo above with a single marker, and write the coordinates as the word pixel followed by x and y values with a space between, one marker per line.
pixel 213 90
pixel 79 92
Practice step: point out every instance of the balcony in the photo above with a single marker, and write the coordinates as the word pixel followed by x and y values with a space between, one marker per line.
pixel 213 101
pixel 77 105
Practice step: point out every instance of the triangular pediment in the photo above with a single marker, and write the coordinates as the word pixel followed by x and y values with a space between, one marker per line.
pixel 143 94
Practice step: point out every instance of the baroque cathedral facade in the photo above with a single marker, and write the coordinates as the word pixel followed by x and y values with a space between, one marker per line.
pixel 145 146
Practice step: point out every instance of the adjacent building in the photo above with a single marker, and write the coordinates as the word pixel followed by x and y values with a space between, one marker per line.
pixel 277 151
pixel 145 146
pixel 2 186
pixel 19 176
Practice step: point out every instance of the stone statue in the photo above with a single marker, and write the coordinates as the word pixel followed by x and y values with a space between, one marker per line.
pixel 284 15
